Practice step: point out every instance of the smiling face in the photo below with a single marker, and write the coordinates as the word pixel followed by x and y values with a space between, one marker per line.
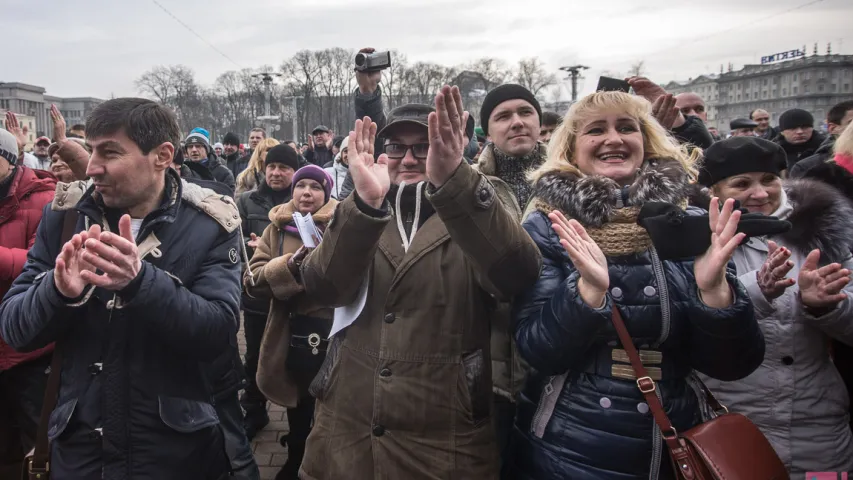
pixel 514 127
pixel 60 169
pixel 758 192
pixel 610 144
pixel 308 195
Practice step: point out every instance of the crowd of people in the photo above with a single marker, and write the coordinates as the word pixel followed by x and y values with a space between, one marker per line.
pixel 454 320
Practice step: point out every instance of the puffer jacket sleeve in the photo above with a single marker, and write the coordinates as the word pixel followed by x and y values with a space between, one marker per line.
pixel 199 319
pixel 270 273
pixel 838 323
pixel 554 327
pixel 725 343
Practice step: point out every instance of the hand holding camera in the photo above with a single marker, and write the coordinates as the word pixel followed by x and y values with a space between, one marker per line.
pixel 368 67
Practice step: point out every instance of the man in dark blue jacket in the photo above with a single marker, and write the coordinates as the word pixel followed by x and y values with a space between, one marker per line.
pixel 138 301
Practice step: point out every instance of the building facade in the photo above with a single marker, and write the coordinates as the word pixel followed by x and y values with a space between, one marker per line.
pixel 30 100
pixel 813 83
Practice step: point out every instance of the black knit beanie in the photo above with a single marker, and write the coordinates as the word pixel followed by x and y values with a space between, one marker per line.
pixel 737 155
pixel 794 118
pixel 231 139
pixel 498 95
pixel 283 154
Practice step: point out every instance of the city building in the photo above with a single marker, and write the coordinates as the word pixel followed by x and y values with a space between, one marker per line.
pixel 27 121
pixel 30 100
pixel 706 87
pixel 814 83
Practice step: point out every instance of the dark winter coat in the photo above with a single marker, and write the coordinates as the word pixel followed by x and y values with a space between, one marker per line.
pixel 319 156
pixel 254 207
pixel 579 415
pixel 802 151
pixel 135 399
pixel 236 163
pixel 823 153
pixel 20 214
pixel 220 172
pixel 694 132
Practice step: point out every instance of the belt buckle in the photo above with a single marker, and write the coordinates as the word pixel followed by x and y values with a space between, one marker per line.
pixel 314 342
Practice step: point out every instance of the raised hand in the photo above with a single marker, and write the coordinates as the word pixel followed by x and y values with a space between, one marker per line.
pixel 820 287
pixel 446 136
pixel 652 92
pixel 253 242
pixel 58 124
pixel 369 176
pixel 586 256
pixel 115 255
pixel 665 111
pixel 14 128
pixel 311 142
pixel 368 82
pixel 771 276
pixel 710 267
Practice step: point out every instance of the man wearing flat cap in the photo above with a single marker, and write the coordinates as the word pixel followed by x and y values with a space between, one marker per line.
pixel 742 127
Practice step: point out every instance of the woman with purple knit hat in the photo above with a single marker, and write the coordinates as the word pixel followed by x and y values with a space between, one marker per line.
pixel 296 336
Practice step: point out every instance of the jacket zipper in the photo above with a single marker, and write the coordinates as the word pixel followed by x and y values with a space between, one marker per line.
pixel 663 292
pixel 547 403
pixel 657 448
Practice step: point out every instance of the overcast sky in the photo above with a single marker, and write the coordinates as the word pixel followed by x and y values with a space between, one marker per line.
pixel 99 47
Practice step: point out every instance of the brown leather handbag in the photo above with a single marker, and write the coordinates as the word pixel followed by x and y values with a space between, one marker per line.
pixel 727 447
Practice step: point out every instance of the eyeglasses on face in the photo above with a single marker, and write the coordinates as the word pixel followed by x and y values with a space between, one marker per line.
pixel 397 151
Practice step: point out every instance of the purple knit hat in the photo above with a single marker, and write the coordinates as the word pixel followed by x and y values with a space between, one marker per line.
pixel 317 174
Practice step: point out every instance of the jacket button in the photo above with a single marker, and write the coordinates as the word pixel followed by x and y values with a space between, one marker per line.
pixel 788 360
pixel 643 408
pixel 616 292
pixel 484 194
pixel 389 318
pixel 385 372
pixel 650 291
pixel 378 430
pixel 605 402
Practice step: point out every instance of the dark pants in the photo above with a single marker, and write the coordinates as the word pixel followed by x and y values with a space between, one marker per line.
pixel 504 419
pixel 236 444
pixel 300 420
pixel 21 397
pixel 253 400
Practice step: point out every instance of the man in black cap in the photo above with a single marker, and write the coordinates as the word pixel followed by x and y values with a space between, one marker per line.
pixel 197 149
pixel 231 154
pixel 742 127
pixel 798 137
pixel 254 207
pixel 320 146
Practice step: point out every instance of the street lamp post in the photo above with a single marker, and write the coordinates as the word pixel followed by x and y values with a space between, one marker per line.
pixel 574 72
pixel 267 78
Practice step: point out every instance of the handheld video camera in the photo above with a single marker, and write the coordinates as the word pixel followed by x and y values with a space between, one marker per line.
pixel 372 62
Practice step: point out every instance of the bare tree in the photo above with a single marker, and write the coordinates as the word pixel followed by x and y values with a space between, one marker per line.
pixel 174 86
pixel 393 81
pixel 532 75
pixel 638 69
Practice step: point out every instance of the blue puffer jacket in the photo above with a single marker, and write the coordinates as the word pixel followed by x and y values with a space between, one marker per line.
pixel 135 399
pixel 577 418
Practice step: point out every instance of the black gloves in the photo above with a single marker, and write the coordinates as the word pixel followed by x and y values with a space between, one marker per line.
pixel 676 234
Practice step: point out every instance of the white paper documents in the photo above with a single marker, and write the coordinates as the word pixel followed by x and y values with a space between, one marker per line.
pixel 311 236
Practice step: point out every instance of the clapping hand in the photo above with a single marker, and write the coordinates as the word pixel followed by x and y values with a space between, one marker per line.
pixel 771 276
pixel 446 136
pixel 821 287
pixel 710 267
pixel 369 177
pixel 115 255
pixel 665 111
pixel 586 256
pixel 70 264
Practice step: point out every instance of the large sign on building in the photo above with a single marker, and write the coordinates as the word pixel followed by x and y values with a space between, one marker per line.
pixel 776 57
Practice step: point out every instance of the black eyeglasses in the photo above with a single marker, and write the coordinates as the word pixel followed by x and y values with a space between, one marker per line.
pixel 397 151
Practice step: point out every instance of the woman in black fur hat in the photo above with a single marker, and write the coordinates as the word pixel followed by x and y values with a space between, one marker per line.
pixel 581 414
pixel 799 282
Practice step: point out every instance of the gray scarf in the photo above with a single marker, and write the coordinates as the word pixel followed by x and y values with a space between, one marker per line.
pixel 512 170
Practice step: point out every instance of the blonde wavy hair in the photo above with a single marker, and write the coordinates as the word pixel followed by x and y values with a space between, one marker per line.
pixel 657 143
pixel 844 142
pixel 248 178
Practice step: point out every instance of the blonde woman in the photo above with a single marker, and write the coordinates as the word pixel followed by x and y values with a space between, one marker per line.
pixel 581 414
pixel 251 177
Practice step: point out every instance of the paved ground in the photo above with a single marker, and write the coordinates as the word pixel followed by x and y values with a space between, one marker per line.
pixel 269 454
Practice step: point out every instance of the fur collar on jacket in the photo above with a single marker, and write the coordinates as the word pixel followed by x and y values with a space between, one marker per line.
pixel 592 199
pixel 281 215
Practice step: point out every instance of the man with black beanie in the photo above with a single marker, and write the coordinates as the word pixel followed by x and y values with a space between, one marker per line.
pixel 254 207
pixel 798 137
pixel 231 154
pixel 511 117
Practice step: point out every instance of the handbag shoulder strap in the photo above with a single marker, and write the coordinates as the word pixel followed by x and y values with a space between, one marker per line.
pixel 645 383
pixel 41 456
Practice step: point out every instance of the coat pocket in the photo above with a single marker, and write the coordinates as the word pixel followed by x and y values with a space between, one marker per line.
pixel 59 419
pixel 479 391
pixel 322 382
pixel 186 416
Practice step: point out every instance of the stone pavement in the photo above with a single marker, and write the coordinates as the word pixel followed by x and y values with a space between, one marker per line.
pixel 269 453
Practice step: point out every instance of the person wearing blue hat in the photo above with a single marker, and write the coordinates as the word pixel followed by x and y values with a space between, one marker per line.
pixel 198 150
